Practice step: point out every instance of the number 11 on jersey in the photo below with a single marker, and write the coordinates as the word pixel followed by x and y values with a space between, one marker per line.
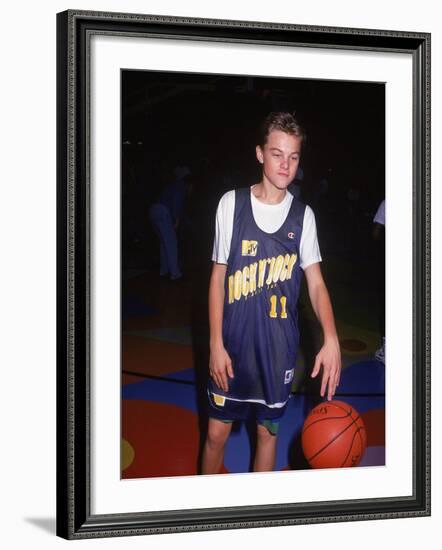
pixel 273 303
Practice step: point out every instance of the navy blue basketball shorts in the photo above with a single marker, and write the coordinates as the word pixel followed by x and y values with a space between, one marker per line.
pixel 228 411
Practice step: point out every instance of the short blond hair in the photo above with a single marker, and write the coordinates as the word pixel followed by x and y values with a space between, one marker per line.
pixel 283 121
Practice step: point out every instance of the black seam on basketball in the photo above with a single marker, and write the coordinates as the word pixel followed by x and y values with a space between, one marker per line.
pixel 333 440
pixel 351 446
pixel 326 418
pixel 342 408
pixel 362 428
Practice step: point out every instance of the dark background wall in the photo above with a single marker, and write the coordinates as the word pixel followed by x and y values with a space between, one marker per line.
pixel 209 123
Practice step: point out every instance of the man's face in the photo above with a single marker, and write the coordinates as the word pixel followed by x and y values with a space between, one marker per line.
pixel 279 158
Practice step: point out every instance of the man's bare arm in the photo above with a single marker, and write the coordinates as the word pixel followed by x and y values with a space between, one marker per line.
pixel 220 364
pixel 329 355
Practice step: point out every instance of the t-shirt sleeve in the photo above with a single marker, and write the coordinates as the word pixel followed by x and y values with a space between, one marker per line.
pixel 309 246
pixel 380 214
pixel 223 228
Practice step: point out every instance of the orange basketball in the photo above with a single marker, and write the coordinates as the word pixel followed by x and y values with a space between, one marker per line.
pixel 333 436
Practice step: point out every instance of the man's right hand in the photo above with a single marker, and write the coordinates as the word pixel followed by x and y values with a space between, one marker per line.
pixel 220 367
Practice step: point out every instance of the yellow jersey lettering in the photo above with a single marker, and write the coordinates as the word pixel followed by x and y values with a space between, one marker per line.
pixel 252 277
pixel 291 265
pixel 245 280
pixel 237 284
pixel 283 301
pixel 231 287
pixel 278 267
pixel 271 261
pixel 283 275
pixel 262 271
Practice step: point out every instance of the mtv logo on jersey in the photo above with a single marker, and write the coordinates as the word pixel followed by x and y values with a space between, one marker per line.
pixel 249 248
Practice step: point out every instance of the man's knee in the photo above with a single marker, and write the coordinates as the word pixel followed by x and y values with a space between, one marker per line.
pixel 265 435
pixel 218 433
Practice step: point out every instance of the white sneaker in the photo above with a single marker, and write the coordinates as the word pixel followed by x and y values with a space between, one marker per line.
pixel 380 353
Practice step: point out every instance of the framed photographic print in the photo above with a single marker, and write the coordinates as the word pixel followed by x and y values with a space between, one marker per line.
pixel 303 141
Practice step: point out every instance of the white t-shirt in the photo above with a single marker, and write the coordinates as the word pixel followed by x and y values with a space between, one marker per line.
pixel 269 218
pixel 380 214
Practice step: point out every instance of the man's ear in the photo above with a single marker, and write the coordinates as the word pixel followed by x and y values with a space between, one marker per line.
pixel 259 154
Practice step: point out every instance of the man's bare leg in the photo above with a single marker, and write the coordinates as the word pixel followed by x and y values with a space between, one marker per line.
pixel 213 452
pixel 265 450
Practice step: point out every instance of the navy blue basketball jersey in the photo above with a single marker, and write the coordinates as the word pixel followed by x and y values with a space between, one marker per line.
pixel 260 324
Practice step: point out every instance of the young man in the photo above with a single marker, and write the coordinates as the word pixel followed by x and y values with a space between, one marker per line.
pixel 264 240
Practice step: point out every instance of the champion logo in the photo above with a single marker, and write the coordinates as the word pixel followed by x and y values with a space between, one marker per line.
pixel 289 374
pixel 291 235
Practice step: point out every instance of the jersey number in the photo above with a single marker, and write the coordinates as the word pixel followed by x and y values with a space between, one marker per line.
pixel 273 302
